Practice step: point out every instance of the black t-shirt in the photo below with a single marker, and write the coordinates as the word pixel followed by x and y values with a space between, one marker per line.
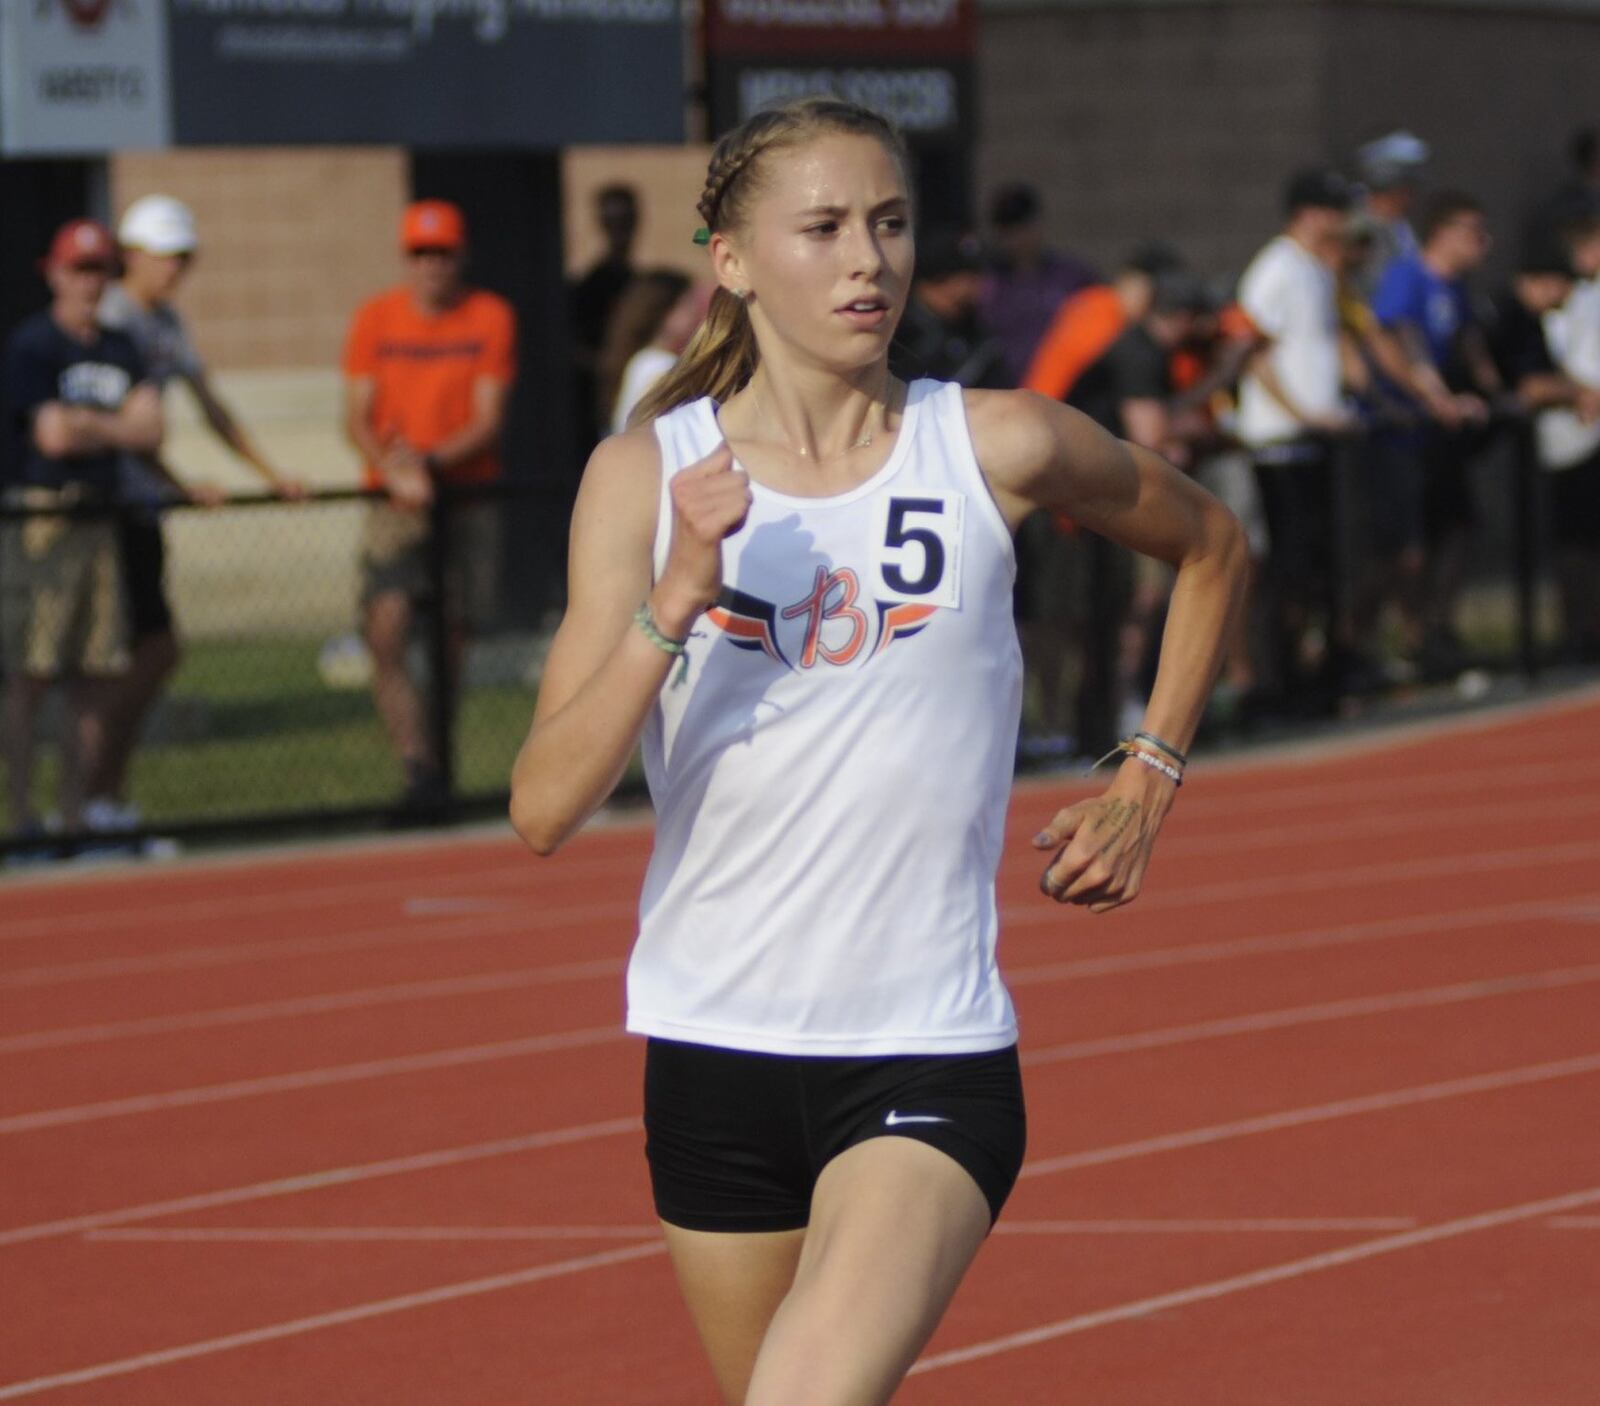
pixel 1134 367
pixel 43 364
pixel 926 345
pixel 1516 339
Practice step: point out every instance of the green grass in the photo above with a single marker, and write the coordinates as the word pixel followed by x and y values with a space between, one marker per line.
pixel 250 728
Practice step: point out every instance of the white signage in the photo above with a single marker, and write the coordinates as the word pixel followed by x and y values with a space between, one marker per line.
pixel 83 76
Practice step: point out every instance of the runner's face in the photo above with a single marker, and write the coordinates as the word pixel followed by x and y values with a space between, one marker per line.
pixel 827 250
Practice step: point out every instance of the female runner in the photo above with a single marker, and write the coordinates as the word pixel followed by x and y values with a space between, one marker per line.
pixel 794 583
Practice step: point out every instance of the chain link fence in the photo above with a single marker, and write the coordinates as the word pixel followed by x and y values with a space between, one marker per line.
pixel 269 721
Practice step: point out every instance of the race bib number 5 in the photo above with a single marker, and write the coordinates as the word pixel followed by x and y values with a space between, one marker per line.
pixel 919 549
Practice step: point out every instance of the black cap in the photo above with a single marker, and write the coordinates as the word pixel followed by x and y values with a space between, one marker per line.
pixel 1546 256
pixel 945 250
pixel 1178 290
pixel 1317 189
pixel 1015 204
pixel 1154 259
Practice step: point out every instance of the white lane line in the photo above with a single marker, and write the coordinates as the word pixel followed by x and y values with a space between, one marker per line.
pixel 291 895
pixel 316 1181
pixel 373 1234
pixel 1218 841
pixel 1255 1279
pixel 1294 1016
pixel 474 1152
pixel 284 899
pixel 310 1079
pixel 1575 1223
pixel 400 1065
pixel 450 1234
pixel 364 998
pixel 1270 1226
pixel 1382 929
pixel 1079 969
pixel 1315 1113
pixel 356 1313
pixel 1035 913
pixel 394 933
pixel 1350 876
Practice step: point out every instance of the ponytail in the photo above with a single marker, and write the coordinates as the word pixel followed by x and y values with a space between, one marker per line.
pixel 723 355
pixel 720 358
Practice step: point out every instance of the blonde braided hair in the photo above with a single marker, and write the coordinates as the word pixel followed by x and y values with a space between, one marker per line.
pixel 722 355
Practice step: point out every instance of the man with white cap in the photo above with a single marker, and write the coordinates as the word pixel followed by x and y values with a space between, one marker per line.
pixel 1389 169
pixel 157 237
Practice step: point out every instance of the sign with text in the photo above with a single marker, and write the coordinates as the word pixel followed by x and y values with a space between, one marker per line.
pixel 427 73
pixel 82 76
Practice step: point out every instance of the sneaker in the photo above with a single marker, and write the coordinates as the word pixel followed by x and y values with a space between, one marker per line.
pixel 107 816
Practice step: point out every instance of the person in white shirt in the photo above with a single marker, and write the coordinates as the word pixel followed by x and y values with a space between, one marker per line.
pixel 794 586
pixel 654 318
pixel 1291 406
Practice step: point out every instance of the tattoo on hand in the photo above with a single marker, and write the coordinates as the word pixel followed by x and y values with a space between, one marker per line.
pixel 1114 821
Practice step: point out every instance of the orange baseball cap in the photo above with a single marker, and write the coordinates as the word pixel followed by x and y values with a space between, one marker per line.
pixel 432 224
pixel 81 242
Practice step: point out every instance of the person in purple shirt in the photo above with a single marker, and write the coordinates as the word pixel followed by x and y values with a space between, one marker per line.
pixel 1029 281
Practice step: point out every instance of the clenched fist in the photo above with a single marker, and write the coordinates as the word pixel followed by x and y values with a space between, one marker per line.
pixel 710 501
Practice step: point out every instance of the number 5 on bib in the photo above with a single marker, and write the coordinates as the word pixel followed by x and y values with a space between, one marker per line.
pixel 919 549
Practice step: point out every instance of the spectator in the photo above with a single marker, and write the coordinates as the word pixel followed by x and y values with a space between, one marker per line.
pixel 1577 198
pixel 652 323
pixel 1389 169
pixel 1030 280
pixel 1290 408
pixel 77 396
pixel 1423 298
pixel 939 334
pixel 1090 320
pixel 1569 439
pixel 428 370
pixel 593 300
pixel 1131 391
pixel 157 235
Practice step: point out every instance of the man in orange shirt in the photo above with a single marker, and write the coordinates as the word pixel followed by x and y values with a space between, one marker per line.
pixel 428 370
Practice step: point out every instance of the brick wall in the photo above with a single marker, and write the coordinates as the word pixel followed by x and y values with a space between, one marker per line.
pixel 1142 119
pixel 1143 122
pixel 291 241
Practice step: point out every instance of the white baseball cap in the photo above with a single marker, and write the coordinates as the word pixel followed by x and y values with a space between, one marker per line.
pixel 158 224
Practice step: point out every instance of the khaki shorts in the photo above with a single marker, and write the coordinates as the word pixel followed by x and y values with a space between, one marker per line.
pixel 62 607
pixel 395 548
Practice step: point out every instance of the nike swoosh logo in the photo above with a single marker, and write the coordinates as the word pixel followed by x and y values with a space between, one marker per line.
pixel 894 1120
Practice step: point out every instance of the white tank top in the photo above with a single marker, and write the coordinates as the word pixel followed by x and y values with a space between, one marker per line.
pixel 831 772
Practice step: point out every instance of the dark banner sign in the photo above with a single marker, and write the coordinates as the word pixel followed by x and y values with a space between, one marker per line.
pixel 893 29
pixel 427 73
pixel 909 59
pixel 103 75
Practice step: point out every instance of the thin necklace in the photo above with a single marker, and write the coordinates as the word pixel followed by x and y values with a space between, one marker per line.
pixel 867 435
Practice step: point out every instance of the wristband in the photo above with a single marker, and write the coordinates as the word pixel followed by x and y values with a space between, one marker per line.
pixel 1161 746
pixel 652 632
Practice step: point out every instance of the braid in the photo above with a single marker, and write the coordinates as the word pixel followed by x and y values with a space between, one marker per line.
pixel 722 355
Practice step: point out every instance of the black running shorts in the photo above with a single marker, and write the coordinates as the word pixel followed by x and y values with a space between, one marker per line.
pixel 737 1140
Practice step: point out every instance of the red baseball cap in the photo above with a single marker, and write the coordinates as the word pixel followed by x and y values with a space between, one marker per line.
pixel 80 242
pixel 432 224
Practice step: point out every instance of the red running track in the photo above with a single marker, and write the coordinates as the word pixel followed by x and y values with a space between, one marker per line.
pixel 1313 1122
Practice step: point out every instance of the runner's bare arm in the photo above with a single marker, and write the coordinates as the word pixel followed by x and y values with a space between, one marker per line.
pixel 602 674
pixel 1036 453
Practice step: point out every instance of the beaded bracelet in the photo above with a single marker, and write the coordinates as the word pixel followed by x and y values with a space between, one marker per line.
pixel 1151 760
pixel 1161 746
pixel 652 632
